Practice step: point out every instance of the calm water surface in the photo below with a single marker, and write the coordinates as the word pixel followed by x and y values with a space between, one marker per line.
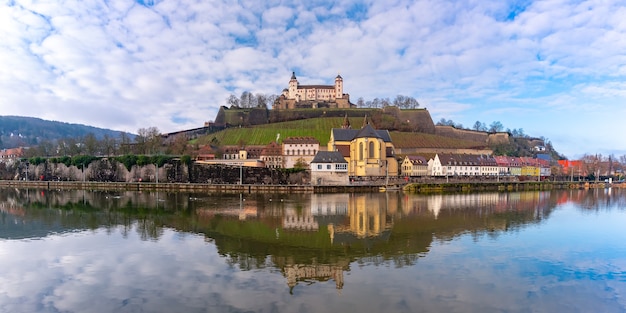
pixel 80 251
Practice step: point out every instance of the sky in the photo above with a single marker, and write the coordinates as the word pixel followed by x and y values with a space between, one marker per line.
pixel 553 68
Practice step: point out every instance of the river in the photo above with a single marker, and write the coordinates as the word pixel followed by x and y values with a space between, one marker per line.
pixel 82 251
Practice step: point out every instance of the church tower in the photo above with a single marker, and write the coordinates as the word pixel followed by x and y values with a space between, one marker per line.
pixel 346 122
pixel 293 86
pixel 338 87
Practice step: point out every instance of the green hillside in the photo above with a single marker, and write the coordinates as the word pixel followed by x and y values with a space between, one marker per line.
pixel 319 128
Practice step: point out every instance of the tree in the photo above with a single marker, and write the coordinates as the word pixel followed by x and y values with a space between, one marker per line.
pixel 479 126
pixel 261 100
pixel 301 164
pixel 108 145
pixel 124 144
pixel 385 102
pixel 232 101
pixel 496 126
pixel 444 122
pixel 148 140
pixel 179 145
pixel 247 100
pixel 405 102
pixel 360 102
pixel 375 103
pixel 91 144
pixel 155 140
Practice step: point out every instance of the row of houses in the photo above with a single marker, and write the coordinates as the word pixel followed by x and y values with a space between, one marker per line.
pixel 473 165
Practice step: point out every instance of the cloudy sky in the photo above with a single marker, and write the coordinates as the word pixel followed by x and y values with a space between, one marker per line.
pixel 553 68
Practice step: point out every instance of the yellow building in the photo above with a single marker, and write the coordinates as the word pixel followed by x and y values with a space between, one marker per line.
pixel 369 152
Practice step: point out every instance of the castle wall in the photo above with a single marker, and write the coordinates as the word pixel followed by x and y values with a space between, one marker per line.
pixel 420 151
pixel 465 134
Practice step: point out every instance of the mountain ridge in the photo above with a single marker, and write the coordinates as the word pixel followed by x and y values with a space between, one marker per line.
pixel 17 131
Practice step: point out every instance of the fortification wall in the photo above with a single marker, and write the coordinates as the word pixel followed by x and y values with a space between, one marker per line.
pixel 498 138
pixel 465 134
pixel 419 151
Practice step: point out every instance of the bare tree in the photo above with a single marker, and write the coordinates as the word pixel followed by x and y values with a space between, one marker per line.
pixel 479 126
pixel 261 100
pixel 247 100
pixel 91 144
pixel 496 126
pixel 125 146
pixel 232 101
pixel 360 102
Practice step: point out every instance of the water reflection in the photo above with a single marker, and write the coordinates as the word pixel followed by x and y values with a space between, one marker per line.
pixel 307 239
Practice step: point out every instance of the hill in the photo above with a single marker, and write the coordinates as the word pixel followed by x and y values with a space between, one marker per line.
pixel 17 131
pixel 319 128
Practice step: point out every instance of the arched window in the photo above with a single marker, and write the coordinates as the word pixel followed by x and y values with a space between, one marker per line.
pixel 371 149
pixel 360 151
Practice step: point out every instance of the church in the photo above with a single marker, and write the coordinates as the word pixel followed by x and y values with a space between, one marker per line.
pixel 298 96
pixel 368 151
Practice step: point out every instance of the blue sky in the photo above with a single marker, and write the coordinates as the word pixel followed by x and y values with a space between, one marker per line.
pixel 553 68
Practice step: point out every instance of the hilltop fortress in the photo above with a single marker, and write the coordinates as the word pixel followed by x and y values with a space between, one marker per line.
pixel 313 96
pixel 313 101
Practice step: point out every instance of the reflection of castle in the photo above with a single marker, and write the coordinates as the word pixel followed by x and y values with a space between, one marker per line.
pixel 318 272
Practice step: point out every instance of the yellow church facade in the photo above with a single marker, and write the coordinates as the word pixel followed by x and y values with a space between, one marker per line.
pixel 369 152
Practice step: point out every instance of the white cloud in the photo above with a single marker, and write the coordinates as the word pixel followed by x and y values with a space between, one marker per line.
pixel 125 65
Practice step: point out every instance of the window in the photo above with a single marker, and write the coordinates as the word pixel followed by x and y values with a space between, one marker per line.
pixel 360 151
pixel 371 149
pixel 341 166
pixel 319 166
pixel 328 166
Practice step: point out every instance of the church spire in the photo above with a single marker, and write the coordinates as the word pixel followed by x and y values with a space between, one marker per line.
pixel 365 121
pixel 346 122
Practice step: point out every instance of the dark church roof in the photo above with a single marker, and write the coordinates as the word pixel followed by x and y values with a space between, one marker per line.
pixel 367 132
pixel 349 134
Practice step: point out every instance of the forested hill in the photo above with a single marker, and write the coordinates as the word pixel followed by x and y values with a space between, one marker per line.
pixel 19 131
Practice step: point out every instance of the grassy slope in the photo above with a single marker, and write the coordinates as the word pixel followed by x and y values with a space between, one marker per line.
pixel 320 129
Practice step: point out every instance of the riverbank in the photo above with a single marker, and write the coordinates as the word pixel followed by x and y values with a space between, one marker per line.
pixel 505 186
pixel 261 188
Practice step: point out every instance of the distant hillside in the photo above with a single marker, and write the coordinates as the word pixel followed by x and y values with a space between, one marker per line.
pixel 19 131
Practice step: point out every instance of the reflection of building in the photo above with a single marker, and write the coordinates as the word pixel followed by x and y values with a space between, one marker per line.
pixel 368 218
pixel 293 221
pixel 318 272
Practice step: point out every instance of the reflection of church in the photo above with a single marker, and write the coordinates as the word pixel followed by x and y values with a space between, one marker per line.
pixel 368 219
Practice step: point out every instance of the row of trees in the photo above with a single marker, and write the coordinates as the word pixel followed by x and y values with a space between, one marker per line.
pixel 400 101
pixel 148 141
pixel 495 126
pixel 249 100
